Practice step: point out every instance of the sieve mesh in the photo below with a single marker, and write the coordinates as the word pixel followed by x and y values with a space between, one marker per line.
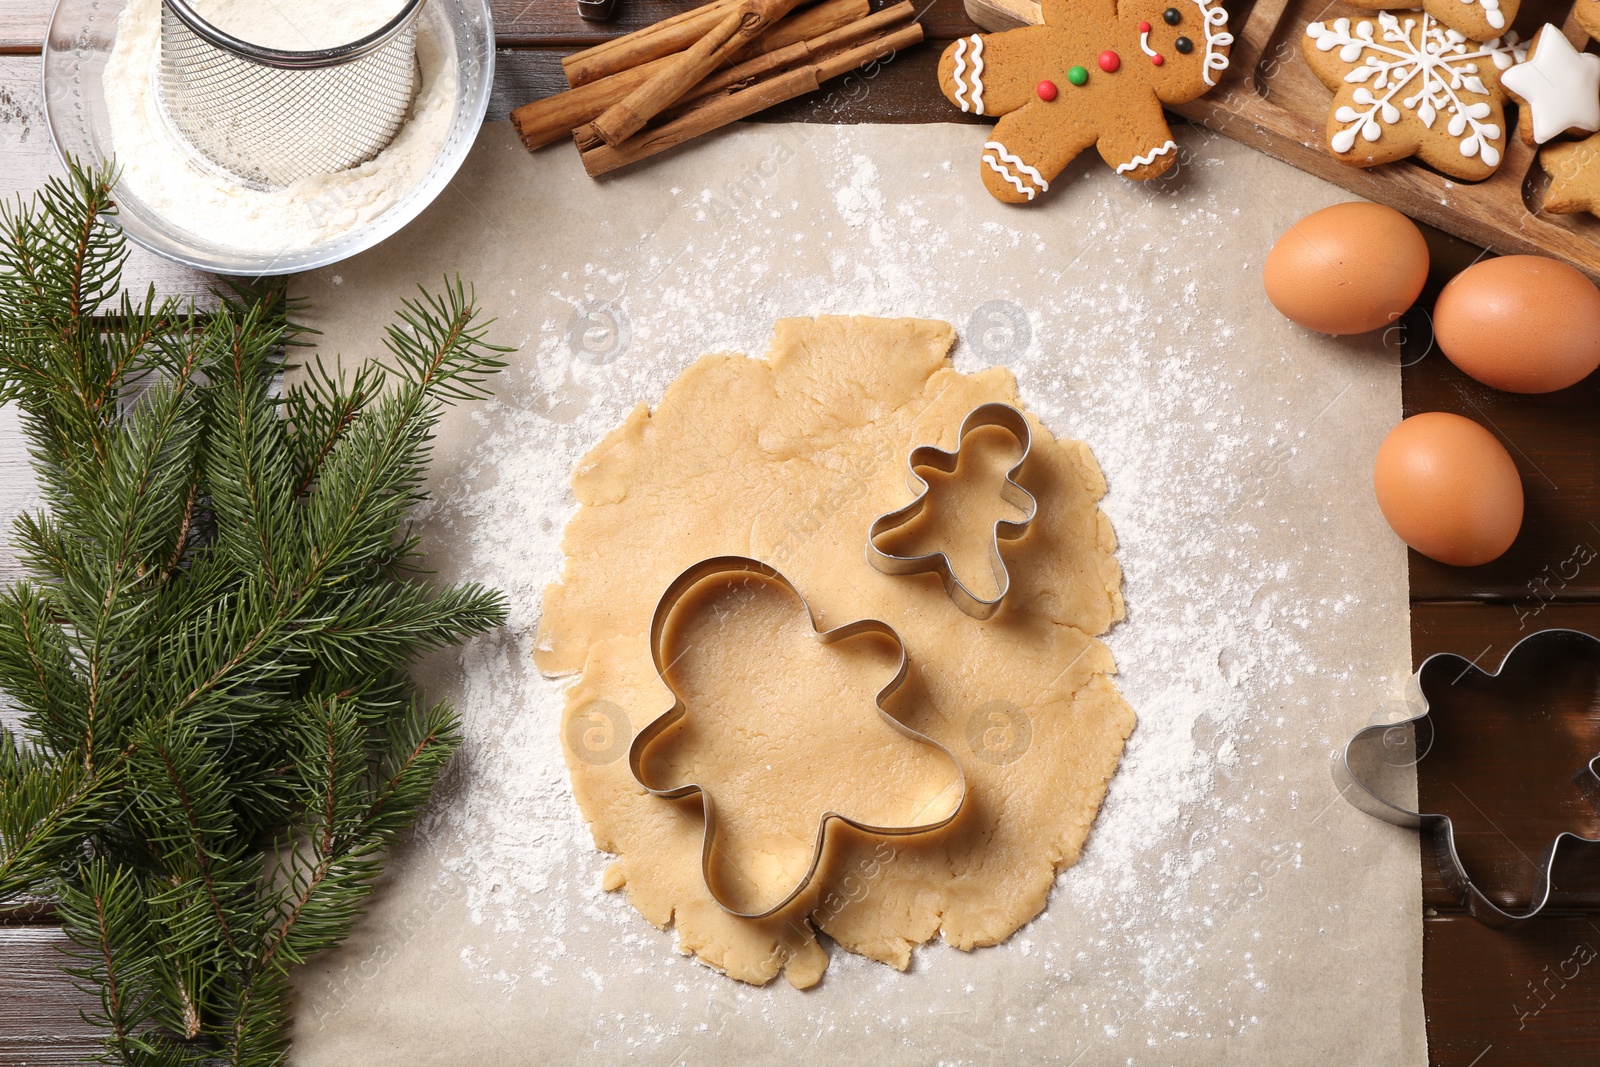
pixel 271 117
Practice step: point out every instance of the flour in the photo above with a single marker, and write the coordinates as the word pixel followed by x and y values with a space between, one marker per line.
pixel 166 176
pixel 297 25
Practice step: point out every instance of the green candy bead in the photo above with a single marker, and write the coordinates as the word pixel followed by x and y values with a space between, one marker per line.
pixel 1077 76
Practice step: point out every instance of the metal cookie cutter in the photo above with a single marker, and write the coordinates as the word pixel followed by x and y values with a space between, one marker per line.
pixel 733 565
pixel 1013 422
pixel 597 10
pixel 1385 748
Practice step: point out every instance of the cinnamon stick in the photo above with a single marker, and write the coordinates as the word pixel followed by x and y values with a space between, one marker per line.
pixel 813 50
pixel 843 62
pixel 629 115
pixel 653 42
pixel 804 25
pixel 554 117
pixel 718 110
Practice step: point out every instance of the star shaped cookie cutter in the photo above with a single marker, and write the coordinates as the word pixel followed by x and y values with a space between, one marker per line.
pixel 1013 422
pixel 734 565
pixel 1411 737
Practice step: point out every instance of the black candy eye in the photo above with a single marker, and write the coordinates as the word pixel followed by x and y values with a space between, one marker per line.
pixel 1184 45
pixel 1172 16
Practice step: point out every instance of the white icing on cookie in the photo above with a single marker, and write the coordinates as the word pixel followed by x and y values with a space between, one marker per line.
pixel 1148 158
pixel 1560 84
pixel 1491 12
pixel 1144 43
pixel 974 91
pixel 1215 18
pixel 1010 165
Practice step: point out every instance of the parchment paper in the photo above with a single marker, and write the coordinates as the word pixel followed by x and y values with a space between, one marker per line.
pixel 1229 907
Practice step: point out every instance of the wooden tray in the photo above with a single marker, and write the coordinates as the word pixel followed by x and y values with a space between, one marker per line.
pixel 1269 99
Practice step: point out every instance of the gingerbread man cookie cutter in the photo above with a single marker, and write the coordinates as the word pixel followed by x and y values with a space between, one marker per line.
pixel 1404 740
pixel 1015 423
pixel 724 566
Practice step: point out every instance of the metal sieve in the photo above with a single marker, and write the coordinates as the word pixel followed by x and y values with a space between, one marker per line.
pixel 271 117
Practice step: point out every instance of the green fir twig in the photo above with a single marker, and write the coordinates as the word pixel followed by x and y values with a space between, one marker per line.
pixel 219 739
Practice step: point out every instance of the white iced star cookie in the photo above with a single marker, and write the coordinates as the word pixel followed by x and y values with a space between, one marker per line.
pixel 1558 85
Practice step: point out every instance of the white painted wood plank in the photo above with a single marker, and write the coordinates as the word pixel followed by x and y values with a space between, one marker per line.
pixel 39 1005
pixel 23 22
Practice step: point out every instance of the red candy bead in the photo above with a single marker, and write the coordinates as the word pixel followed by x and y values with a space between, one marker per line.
pixel 1046 91
pixel 1157 60
pixel 1144 27
pixel 1110 61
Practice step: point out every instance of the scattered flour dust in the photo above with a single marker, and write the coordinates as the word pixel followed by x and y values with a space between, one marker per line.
pixel 1126 361
pixel 166 176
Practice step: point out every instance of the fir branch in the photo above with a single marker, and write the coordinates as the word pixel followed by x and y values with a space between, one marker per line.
pixel 320 411
pixel 47 809
pixel 210 654
pixel 368 629
pixel 103 912
pixel 37 667
pixel 58 262
pixel 441 341
pixel 183 805
pixel 421 746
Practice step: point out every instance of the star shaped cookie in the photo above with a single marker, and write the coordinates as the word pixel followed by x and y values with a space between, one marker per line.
pixel 1559 86
pixel 1588 13
pixel 1405 84
pixel 1574 169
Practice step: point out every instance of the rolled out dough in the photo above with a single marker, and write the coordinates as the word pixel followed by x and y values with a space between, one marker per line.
pixel 789 459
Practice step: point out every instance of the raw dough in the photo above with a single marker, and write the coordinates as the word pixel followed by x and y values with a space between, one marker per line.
pixel 788 460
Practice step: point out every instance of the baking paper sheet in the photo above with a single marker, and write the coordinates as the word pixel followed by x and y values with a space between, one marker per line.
pixel 1229 908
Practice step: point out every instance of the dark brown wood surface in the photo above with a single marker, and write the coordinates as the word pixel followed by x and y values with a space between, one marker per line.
pixel 1526 995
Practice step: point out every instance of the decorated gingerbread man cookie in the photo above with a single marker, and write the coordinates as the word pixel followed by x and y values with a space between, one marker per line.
pixel 1096 73
pixel 1405 84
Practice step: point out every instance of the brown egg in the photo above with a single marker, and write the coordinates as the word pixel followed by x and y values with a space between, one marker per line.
pixel 1449 489
pixel 1348 268
pixel 1525 324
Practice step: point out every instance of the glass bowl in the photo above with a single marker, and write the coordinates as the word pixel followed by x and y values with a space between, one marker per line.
pixel 77 48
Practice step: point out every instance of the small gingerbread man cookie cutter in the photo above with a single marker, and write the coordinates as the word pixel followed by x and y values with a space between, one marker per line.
pixel 1013 422
pixel 1412 736
pixel 724 566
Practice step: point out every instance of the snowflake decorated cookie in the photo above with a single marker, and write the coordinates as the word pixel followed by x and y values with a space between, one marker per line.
pixel 1405 84
pixel 1096 74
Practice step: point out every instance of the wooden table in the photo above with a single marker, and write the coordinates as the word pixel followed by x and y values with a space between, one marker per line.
pixel 1519 996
